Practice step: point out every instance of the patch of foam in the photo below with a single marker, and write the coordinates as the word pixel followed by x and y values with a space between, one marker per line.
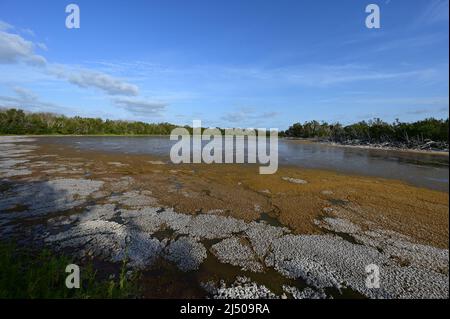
pixel 241 288
pixel 294 180
pixel 186 253
pixel 110 241
pixel 233 251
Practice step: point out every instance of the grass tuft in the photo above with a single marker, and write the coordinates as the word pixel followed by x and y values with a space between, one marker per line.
pixel 27 274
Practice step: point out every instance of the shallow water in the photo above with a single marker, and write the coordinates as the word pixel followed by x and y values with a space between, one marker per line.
pixel 425 170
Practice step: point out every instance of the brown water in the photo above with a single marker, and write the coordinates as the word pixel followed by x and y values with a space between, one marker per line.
pixel 420 169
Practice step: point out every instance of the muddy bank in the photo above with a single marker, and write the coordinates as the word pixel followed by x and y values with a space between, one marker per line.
pixel 227 230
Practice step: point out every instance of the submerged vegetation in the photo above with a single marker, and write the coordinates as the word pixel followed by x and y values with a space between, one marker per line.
pixel 29 274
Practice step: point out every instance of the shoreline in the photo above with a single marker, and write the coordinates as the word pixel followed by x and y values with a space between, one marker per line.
pixel 81 135
pixel 370 147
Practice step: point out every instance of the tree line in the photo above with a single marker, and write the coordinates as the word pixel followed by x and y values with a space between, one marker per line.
pixel 373 131
pixel 14 121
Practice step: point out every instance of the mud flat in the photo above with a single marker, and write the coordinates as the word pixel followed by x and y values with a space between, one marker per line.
pixel 227 230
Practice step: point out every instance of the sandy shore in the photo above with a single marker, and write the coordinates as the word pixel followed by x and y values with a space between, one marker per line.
pixel 225 229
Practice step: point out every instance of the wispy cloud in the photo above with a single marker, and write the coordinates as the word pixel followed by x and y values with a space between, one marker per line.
pixel 14 49
pixel 5 26
pixel 406 101
pixel 427 111
pixel 433 101
pixel 247 115
pixel 86 78
pixel 28 32
pixel 25 94
pixel 323 76
pixel 222 77
pixel 420 41
pixel 437 11
pixel 189 85
pixel 28 100
pixel 42 46
pixel 141 108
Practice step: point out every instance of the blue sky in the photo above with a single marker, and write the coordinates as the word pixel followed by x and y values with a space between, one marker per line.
pixel 230 63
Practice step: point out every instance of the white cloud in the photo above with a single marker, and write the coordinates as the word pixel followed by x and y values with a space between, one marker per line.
pixel 28 32
pixel 86 78
pixel 246 115
pixel 329 75
pixel 308 75
pixel 141 107
pixel 29 103
pixel 42 46
pixel 25 94
pixel 14 48
pixel 433 101
pixel 5 26
pixel 428 110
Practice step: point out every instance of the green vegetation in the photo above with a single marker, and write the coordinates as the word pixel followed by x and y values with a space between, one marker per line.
pixel 13 121
pixel 374 131
pixel 27 274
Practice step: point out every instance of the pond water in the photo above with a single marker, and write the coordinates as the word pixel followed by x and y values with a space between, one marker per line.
pixel 425 170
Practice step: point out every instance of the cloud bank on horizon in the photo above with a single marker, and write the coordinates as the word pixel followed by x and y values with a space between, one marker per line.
pixel 227 63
